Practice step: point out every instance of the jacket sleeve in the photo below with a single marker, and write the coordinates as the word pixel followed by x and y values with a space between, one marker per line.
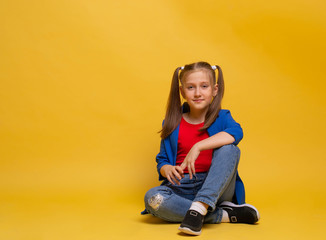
pixel 161 159
pixel 232 127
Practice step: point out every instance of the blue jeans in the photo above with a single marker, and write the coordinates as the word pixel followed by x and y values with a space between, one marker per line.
pixel 171 202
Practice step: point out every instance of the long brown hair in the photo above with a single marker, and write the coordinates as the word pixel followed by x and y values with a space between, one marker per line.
pixel 174 109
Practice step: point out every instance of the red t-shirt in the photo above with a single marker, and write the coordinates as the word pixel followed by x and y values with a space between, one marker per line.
pixel 189 134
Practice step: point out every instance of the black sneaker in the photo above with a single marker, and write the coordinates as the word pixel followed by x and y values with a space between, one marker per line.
pixel 243 213
pixel 192 223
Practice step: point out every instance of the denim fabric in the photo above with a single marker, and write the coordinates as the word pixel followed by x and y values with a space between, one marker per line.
pixel 171 202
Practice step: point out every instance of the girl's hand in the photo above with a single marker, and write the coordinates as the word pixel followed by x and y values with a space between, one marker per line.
pixel 173 173
pixel 189 161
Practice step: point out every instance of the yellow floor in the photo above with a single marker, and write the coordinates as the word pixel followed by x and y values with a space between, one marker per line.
pixel 105 216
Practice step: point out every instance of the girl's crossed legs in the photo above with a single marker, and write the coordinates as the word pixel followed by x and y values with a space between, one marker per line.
pixel 171 202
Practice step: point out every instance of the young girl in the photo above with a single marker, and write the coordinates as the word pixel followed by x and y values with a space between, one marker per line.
pixel 198 157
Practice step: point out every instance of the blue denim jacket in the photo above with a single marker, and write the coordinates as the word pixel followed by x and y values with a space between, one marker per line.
pixel 224 122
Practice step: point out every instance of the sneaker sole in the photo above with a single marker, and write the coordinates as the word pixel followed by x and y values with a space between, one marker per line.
pixel 230 204
pixel 189 231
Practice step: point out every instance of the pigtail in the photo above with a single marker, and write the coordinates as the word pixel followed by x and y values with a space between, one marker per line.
pixel 173 111
pixel 215 106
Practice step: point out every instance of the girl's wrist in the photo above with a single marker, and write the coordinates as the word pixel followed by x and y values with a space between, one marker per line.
pixel 197 147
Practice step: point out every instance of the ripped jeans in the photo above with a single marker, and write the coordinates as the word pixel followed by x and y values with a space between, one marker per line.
pixel 171 202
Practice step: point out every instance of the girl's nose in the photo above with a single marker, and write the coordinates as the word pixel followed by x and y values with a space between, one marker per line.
pixel 197 92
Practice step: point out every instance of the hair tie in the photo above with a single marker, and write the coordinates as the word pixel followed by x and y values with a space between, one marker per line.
pixel 182 67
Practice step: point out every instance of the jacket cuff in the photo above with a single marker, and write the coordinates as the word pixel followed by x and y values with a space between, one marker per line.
pixel 160 177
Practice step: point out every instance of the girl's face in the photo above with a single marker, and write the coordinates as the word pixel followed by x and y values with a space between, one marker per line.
pixel 198 90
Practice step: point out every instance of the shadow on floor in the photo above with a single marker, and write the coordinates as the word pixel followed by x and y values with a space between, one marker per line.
pixel 149 219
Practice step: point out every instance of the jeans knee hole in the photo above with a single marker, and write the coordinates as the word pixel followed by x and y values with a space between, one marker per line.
pixel 155 201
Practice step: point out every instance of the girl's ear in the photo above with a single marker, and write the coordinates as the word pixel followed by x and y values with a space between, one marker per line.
pixel 215 90
pixel 181 91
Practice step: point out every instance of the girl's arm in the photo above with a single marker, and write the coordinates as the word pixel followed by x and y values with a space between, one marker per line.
pixel 218 140
pixel 165 167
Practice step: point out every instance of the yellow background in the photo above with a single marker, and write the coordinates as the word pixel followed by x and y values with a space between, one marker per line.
pixel 83 89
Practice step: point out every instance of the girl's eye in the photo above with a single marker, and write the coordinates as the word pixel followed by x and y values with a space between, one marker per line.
pixel 205 86
pixel 190 87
